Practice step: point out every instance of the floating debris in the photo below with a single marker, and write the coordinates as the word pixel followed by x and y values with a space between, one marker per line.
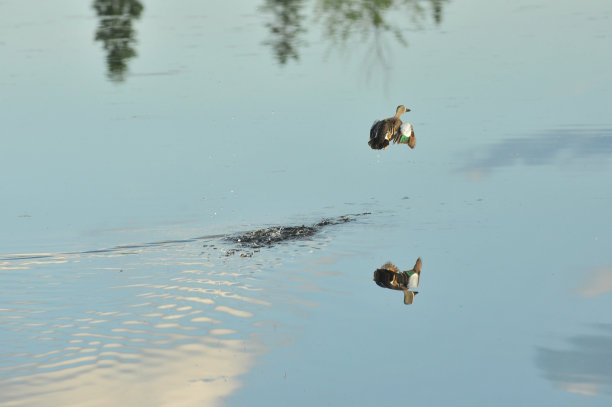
pixel 389 276
pixel 274 235
pixel 392 129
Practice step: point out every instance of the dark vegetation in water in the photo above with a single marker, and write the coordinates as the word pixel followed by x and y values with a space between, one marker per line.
pixel 274 235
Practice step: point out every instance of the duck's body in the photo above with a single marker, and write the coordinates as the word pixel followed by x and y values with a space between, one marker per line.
pixel 387 130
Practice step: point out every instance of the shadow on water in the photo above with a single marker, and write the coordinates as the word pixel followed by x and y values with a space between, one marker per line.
pixel 389 276
pixel 344 20
pixel 116 33
pixel 585 368
pixel 546 148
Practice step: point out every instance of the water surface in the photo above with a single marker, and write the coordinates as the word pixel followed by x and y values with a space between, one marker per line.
pixel 139 135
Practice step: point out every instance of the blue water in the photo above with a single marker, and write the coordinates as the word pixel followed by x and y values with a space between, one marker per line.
pixel 120 181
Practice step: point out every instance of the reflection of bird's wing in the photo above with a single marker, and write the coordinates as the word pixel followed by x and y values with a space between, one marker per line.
pixel 390 266
pixel 384 278
pixel 418 265
pixel 408 297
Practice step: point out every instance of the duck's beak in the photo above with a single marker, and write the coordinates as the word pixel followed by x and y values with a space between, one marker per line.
pixel 407 109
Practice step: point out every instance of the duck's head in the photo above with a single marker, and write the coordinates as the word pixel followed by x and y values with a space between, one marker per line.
pixel 401 109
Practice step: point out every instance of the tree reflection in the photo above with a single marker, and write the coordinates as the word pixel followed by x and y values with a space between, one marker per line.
pixel 116 33
pixel 286 28
pixel 344 19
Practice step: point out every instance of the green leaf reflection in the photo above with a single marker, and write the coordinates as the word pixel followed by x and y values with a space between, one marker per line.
pixel 116 33
pixel 343 20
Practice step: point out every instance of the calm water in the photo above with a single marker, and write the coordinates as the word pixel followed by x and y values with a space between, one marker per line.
pixel 137 136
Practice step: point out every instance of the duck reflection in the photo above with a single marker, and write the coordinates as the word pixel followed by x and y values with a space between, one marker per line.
pixel 343 19
pixel 585 368
pixel 389 276
pixel 116 33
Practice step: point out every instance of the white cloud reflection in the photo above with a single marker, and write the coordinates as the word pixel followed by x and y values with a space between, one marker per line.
pixel 193 374
pixel 598 282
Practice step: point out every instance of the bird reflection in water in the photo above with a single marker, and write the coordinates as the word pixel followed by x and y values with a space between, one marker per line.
pixel 116 33
pixel 389 276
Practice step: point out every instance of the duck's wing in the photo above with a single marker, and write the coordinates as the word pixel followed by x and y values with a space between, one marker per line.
pixel 374 129
pixel 396 134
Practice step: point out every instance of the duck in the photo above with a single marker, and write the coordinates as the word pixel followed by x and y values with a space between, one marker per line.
pixel 389 276
pixel 392 129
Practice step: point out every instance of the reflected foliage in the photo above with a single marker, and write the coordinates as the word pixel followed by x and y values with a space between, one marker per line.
pixel 116 33
pixel 344 19
pixel 286 28
pixel 585 368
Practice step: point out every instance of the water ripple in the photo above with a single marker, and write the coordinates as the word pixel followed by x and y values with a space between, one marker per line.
pixel 94 324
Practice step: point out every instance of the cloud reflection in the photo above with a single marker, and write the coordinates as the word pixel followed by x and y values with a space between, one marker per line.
pixel 598 282
pixel 546 148
pixel 198 373
pixel 585 368
pixel 160 323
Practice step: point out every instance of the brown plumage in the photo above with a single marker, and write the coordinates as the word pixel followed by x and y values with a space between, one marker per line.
pixel 389 276
pixel 387 130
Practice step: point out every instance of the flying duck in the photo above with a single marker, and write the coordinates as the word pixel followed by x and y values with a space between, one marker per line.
pixel 392 129
pixel 389 276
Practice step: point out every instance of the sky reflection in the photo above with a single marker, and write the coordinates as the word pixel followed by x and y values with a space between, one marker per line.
pixel 598 282
pixel 105 325
pixel 585 368
pixel 209 135
pixel 561 147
